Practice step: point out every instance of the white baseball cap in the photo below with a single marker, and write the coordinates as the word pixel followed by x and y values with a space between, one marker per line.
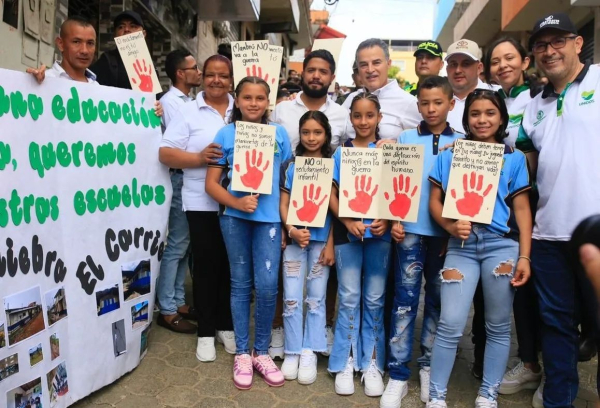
pixel 465 47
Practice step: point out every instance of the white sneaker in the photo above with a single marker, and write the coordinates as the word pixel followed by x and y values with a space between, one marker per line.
pixel 393 394
pixel 289 368
pixel 344 380
pixel 307 374
pixel 277 341
pixel 519 378
pixel 436 404
pixel 227 339
pixel 482 402
pixel 538 396
pixel 329 333
pixel 373 381
pixel 205 350
pixel 424 376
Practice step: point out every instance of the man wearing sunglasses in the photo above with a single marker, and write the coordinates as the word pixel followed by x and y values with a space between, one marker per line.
pixel 562 125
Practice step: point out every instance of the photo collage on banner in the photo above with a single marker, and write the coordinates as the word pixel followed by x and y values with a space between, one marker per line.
pixel 83 237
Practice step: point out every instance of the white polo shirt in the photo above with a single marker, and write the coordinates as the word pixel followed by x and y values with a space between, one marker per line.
pixel 57 71
pixel 398 107
pixel 193 128
pixel 455 116
pixel 288 114
pixel 516 101
pixel 171 102
pixel 564 130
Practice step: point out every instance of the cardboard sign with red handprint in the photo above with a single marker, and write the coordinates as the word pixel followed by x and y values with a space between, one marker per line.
pixel 401 181
pixel 360 178
pixel 257 58
pixel 138 62
pixel 473 181
pixel 311 189
pixel 253 158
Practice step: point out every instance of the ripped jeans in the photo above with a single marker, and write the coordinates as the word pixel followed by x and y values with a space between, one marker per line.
pixel 254 252
pixel 492 257
pixel 299 263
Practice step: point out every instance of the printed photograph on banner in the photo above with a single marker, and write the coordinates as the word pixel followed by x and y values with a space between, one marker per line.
pixel 56 305
pixel 24 317
pixel 311 189
pixel 334 46
pixel 118 338
pixel 107 300
pixel 36 355
pixel 360 176
pixel 253 157
pixel 401 181
pixel 136 279
pixel 54 346
pixel 9 366
pixel 473 181
pixel 139 315
pixel 2 336
pixel 144 341
pixel 58 385
pixel 138 62
pixel 27 395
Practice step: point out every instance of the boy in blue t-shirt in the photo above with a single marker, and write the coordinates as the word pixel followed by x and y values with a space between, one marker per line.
pixel 420 248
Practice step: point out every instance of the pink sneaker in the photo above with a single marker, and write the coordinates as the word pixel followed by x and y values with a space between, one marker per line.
pixel 242 371
pixel 266 367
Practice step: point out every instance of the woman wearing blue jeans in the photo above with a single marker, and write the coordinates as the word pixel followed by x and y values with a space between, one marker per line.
pixel 497 253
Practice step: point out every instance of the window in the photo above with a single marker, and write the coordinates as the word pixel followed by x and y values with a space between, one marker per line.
pixel 11 13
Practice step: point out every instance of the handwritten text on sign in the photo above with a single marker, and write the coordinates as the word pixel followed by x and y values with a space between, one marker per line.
pixel 138 62
pixel 402 178
pixel 310 192
pixel 473 181
pixel 253 157
pixel 360 176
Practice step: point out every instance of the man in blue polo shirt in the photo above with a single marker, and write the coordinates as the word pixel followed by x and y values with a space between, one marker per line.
pixel 562 124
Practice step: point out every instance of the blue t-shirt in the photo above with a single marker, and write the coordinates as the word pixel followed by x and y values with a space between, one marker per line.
pixel 426 225
pixel 287 181
pixel 268 204
pixel 514 179
pixel 340 233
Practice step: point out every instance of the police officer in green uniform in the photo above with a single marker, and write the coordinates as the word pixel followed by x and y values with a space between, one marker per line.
pixel 428 62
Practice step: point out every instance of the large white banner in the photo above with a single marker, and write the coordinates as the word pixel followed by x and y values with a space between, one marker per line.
pixel 84 205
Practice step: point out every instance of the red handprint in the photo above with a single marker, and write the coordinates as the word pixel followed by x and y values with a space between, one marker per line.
pixel 363 199
pixel 259 74
pixel 310 209
pixel 254 174
pixel 472 201
pixel 144 74
pixel 401 204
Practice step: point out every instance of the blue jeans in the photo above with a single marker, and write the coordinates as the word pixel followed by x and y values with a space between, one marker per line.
pixel 416 256
pixel 254 252
pixel 170 290
pixel 558 296
pixel 297 262
pixel 492 258
pixel 362 269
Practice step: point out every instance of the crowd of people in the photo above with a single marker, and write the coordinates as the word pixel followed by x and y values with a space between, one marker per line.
pixel 241 249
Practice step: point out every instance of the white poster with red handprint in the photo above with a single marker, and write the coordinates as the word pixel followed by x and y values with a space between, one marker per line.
pixel 473 181
pixel 360 178
pixel 257 58
pixel 254 152
pixel 138 62
pixel 401 181
pixel 311 188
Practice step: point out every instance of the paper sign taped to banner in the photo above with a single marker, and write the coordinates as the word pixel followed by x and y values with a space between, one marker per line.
pixel 311 189
pixel 334 46
pixel 473 181
pixel 401 181
pixel 138 62
pixel 360 179
pixel 254 154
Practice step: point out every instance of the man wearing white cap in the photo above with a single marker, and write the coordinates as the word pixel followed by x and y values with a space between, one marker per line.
pixel 463 69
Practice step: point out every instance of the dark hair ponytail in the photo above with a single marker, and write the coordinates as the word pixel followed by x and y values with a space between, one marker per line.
pixel 236 113
pixel 322 120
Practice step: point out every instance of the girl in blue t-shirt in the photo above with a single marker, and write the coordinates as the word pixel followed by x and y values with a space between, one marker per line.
pixel 251 229
pixel 497 253
pixel 362 250
pixel 309 254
